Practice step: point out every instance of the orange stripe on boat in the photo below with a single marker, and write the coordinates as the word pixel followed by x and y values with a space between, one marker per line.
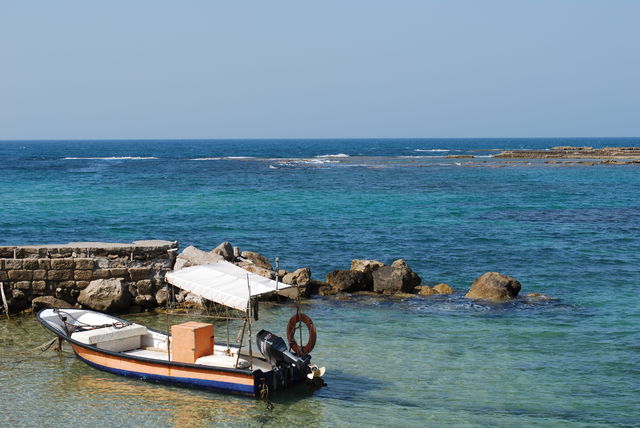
pixel 160 368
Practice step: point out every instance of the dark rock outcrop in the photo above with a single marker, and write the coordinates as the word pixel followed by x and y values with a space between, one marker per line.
pixel 105 295
pixel 397 278
pixel 348 280
pixel 494 286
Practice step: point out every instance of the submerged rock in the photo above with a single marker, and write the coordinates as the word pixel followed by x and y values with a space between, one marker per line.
pixel 105 295
pixel 494 286
pixel 537 296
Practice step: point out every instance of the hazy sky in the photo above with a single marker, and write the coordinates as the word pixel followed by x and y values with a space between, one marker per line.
pixel 287 69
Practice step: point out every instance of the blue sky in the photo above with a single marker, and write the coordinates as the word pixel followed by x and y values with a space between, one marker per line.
pixel 292 69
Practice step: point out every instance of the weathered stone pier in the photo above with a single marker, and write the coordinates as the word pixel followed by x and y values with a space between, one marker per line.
pixel 63 271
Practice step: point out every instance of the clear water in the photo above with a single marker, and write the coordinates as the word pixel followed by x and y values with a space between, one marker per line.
pixel 571 232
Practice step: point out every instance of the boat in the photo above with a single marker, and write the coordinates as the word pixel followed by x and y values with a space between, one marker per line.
pixel 189 354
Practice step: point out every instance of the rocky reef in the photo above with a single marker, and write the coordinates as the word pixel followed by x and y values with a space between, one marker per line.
pixel 615 155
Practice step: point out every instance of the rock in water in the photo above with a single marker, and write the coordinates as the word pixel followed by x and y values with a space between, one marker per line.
pixel 250 267
pixel 300 277
pixel 192 256
pixel 425 290
pixel 347 280
pixel 50 302
pixel 257 259
pixel 162 296
pixel 225 250
pixel 397 278
pixel 443 288
pixel 494 286
pixel 365 265
pixel 105 295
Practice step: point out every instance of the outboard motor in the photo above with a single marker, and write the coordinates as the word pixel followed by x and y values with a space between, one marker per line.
pixel 275 349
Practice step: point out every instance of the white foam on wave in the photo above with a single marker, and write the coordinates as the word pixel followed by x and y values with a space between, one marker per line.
pixel 339 155
pixel 433 150
pixel 112 158
pixel 223 158
pixel 297 162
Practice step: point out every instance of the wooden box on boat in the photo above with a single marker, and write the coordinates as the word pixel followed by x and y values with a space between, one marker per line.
pixel 190 341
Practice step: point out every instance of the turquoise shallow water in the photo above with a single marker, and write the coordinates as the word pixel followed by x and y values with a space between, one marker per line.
pixel 572 232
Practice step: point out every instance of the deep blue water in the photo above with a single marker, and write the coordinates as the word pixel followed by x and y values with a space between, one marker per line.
pixel 572 232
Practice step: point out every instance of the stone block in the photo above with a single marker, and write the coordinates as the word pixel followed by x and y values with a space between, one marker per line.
pixel 138 274
pixel 84 263
pixel 13 264
pixel 117 263
pixel 22 285
pixel 61 264
pixel 30 264
pixel 144 286
pixel 3 275
pixel 119 273
pixel 39 274
pixel 81 285
pixel 20 275
pixel 1 264
pixel 83 275
pixel 60 275
pixel 102 263
pixel 17 294
pixel 39 285
pixel 101 273
pixel 67 284
pixel 44 264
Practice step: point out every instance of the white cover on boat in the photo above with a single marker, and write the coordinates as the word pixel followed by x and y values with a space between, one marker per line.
pixel 223 282
pixel 105 334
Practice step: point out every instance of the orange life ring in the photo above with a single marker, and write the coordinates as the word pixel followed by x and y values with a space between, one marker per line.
pixel 291 329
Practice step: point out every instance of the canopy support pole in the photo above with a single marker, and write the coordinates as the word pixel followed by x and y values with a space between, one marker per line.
pixel 249 316
pixel 244 325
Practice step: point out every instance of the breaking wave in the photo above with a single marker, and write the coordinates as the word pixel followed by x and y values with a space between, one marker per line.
pixel 112 158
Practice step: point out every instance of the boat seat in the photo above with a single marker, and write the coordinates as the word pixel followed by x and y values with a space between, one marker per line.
pixel 111 338
pixel 222 361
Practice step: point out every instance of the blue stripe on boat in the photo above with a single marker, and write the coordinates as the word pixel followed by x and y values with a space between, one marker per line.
pixel 181 381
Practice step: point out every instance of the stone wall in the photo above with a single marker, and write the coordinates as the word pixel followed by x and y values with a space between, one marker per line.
pixel 62 271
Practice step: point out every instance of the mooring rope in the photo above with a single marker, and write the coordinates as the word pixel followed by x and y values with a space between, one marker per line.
pixel 82 326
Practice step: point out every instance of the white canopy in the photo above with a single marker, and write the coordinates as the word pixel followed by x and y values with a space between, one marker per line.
pixel 223 282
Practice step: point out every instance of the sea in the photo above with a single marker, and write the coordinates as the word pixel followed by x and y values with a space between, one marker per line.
pixel 568 230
